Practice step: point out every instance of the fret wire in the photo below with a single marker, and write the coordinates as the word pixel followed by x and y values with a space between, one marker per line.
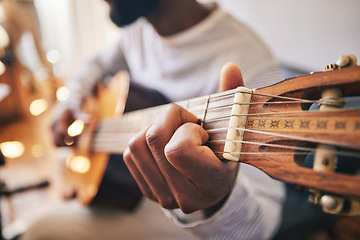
pixel 209 108
pixel 205 111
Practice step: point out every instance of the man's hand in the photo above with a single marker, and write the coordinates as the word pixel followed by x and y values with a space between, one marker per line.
pixel 60 127
pixel 172 165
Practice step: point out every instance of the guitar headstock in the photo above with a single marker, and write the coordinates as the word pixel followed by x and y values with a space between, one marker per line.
pixel 306 131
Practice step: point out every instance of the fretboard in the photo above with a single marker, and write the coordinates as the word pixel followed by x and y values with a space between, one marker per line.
pixel 213 112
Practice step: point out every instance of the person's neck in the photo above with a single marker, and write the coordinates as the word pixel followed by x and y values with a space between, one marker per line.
pixel 174 16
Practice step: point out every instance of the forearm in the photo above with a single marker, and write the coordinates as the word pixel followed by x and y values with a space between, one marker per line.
pixel 98 69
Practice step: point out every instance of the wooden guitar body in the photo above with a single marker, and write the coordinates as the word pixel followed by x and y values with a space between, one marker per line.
pixel 107 181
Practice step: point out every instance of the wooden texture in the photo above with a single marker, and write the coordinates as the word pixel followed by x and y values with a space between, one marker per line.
pixel 291 124
pixel 109 102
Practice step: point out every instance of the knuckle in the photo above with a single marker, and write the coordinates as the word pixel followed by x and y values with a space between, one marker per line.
pixel 168 203
pixel 127 157
pixel 174 108
pixel 175 152
pixel 152 136
pixel 179 148
pixel 135 144
pixel 186 207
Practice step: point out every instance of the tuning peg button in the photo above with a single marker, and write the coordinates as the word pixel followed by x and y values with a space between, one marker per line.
pixel 346 61
pixel 328 202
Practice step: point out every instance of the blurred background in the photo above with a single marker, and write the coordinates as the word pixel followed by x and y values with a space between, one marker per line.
pixel 43 41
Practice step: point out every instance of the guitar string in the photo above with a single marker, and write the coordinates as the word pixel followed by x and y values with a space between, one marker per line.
pixel 109 137
pixel 114 125
pixel 268 103
pixel 114 142
pixel 244 129
pixel 287 136
pixel 294 100
pixel 103 124
pixel 305 150
pixel 111 124
pixel 229 94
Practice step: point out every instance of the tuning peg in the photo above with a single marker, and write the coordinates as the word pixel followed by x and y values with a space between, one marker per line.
pixel 346 61
pixel 342 62
pixel 329 202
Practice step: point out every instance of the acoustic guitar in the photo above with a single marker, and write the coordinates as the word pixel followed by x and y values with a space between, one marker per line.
pixel 273 128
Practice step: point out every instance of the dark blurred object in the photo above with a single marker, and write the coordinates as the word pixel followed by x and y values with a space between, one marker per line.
pixel 7 58
pixel 5 192
pixel 11 100
pixel 8 192
pixel 11 81
pixel 2 158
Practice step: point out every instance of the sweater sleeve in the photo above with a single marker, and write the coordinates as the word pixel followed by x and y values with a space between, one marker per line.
pixel 98 69
pixel 252 211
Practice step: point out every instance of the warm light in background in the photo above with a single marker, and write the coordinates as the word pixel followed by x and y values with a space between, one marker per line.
pixel 38 106
pixel 62 93
pixel 76 128
pixel 53 56
pixel 2 68
pixel 37 150
pixel 2 15
pixel 4 38
pixel 12 149
pixel 5 90
pixel 78 164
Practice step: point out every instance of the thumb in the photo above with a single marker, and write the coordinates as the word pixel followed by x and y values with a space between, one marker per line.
pixel 230 77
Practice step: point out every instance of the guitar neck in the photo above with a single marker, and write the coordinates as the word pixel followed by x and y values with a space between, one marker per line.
pixel 113 134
